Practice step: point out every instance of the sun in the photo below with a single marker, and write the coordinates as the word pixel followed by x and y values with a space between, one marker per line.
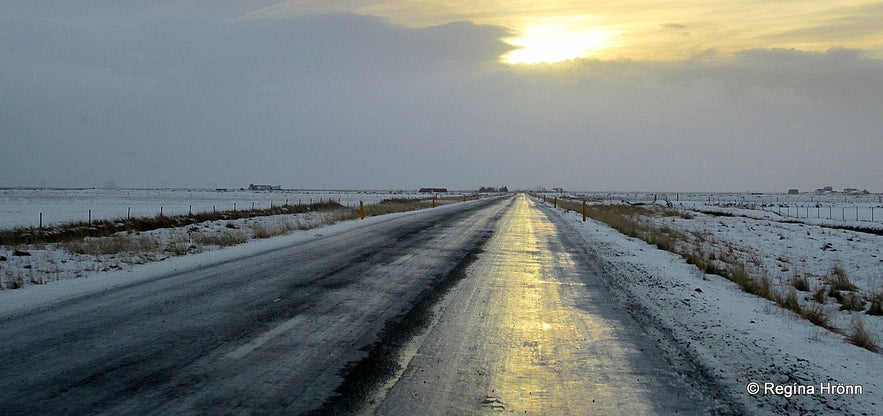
pixel 550 44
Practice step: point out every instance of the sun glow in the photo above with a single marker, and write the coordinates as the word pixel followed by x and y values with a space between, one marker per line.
pixel 550 44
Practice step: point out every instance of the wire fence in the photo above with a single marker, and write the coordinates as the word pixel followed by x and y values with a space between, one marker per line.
pixel 88 215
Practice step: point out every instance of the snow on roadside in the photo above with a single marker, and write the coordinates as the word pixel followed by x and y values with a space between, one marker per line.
pixel 48 263
pixel 785 251
pixel 64 268
pixel 741 338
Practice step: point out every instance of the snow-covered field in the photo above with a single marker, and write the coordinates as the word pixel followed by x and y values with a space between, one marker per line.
pixel 830 209
pixel 742 338
pixel 22 207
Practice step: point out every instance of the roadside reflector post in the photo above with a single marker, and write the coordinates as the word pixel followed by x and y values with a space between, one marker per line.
pixel 433 202
pixel 585 211
pixel 556 202
pixel 361 210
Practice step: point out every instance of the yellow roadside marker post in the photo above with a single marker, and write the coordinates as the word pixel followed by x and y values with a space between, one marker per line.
pixel 361 210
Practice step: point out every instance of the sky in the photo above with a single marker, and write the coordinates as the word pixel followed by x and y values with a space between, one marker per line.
pixel 676 95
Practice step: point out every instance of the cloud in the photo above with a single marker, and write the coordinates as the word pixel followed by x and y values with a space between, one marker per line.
pixel 675 26
pixel 844 25
pixel 350 101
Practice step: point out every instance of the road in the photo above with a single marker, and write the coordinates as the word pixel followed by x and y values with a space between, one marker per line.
pixel 475 308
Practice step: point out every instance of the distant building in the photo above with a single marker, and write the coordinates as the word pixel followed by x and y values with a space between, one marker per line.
pixel 855 191
pixel 253 187
pixel 793 191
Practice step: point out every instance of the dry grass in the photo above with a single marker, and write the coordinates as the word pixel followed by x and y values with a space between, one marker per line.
pixel 876 299
pixel 389 206
pixel 859 335
pixel 849 301
pixel 820 295
pixel 223 239
pixel 261 230
pixel 800 282
pixel 838 280
pixel 788 300
pixel 111 245
pixel 817 315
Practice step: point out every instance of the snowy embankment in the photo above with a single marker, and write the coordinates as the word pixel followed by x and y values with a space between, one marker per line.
pixel 72 274
pixel 799 368
pixel 48 263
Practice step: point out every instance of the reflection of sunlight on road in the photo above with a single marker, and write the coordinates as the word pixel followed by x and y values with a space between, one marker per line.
pixel 546 367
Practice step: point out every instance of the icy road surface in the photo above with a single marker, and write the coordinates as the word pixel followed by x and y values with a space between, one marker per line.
pixel 344 323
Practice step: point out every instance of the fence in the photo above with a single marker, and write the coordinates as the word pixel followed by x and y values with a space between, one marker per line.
pixel 829 212
pixel 117 213
pixel 826 207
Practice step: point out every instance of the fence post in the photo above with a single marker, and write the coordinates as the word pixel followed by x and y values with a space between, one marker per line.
pixel 41 220
pixel 128 213
pixel 585 211
pixel 856 212
pixel 361 210
pixel 90 216
pixel 190 210
pixel 556 202
pixel 160 211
